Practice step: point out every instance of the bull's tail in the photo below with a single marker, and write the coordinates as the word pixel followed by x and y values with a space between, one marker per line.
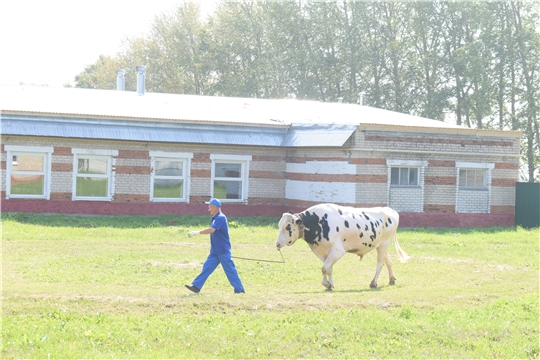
pixel 403 257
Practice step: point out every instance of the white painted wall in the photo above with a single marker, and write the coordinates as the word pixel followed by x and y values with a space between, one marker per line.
pixel 320 191
pixel 341 192
pixel 322 167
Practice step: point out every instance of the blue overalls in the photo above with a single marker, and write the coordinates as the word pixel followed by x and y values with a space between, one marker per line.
pixel 220 253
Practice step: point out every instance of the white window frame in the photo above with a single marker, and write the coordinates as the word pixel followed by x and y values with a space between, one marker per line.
pixel 15 150
pixel 485 167
pixel 409 168
pixel 410 164
pixel 244 161
pixel 185 158
pixel 108 155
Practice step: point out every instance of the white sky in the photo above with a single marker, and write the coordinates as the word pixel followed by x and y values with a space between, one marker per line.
pixel 48 42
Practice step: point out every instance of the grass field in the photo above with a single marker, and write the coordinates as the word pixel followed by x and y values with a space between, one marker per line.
pixel 113 287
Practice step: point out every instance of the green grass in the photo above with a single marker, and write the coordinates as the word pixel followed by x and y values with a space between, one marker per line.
pixel 112 287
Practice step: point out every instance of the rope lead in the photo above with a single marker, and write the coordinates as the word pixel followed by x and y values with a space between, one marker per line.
pixel 270 261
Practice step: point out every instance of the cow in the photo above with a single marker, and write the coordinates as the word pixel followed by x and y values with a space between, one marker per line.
pixel 332 230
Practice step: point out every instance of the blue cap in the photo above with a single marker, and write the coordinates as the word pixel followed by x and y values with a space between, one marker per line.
pixel 214 202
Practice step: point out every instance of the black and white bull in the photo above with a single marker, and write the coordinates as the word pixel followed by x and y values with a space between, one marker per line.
pixel 332 230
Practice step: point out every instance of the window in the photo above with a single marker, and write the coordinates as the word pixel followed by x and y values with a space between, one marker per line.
pixel 474 175
pixel 472 178
pixel 28 172
pixel 230 175
pixel 170 176
pixel 92 172
pixel 404 176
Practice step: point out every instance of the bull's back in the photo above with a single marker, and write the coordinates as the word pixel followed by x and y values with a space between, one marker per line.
pixel 358 230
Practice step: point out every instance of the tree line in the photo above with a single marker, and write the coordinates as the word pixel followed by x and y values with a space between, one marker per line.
pixel 476 63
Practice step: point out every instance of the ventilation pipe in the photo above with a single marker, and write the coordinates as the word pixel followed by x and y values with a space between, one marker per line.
pixel 120 80
pixel 141 78
pixel 361 99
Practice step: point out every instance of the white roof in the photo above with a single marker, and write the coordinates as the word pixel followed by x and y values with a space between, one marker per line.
pixel 193 108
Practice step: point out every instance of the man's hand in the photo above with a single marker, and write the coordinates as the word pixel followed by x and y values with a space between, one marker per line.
pixel 193 233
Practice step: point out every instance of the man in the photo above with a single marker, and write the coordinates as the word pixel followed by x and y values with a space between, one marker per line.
pixel 220 250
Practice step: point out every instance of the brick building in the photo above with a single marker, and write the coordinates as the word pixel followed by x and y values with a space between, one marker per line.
pixel 116 152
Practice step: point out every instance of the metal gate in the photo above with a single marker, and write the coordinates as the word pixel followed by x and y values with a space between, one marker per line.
pixel 527 205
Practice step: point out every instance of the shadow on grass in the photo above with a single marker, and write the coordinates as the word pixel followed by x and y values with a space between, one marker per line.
pixel 131 221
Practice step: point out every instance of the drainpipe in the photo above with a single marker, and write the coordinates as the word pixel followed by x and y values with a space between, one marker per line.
pixel 141 78
pixel 120 80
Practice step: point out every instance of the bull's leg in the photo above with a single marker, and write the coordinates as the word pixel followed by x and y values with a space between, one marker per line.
pixel 327 268
pixel 388 262
pixel 382 251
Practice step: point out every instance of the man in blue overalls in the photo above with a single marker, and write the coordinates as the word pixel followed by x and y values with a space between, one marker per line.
pixel 220 250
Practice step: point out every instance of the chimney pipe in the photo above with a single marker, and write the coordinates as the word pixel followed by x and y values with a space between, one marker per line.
pixel 120 80
pixel 361 99
pixel 141 78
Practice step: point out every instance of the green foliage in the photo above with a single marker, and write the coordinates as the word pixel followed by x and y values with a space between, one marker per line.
pixel 474 62
pixel 112 287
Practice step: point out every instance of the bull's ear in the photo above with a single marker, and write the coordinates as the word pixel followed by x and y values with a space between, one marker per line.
pixel 298 221
pixel 290 212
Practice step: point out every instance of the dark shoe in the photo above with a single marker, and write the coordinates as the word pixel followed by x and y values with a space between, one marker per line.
pixel 193 289
pixel 240 292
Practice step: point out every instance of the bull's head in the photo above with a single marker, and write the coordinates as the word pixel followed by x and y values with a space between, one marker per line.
pixel 291 228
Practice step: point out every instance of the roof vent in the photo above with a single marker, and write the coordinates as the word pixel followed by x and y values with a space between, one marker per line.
pixel 141 78
pixel 120 80
pixel 361 99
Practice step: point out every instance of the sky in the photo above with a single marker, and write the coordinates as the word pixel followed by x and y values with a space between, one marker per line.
pixel 48 42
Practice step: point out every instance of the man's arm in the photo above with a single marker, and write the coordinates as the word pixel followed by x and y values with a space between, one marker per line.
pixel 209 230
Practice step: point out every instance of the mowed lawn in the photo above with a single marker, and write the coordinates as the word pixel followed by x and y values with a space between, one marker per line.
pixel 113 287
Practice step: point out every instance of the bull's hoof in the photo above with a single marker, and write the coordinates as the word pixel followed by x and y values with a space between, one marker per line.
pixel 373 285
pixel 329 289
pixel 392 281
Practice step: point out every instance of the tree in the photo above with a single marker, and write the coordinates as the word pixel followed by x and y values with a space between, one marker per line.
pixel 98 75
pixel 477 62
pixel 528 41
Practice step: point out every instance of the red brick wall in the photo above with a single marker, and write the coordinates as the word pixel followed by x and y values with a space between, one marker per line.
pixel 61 167
pixel 133 154
pixel 131 198
pixel 62 151
pixel 503 182
pixel 439 180
pixel 142 170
